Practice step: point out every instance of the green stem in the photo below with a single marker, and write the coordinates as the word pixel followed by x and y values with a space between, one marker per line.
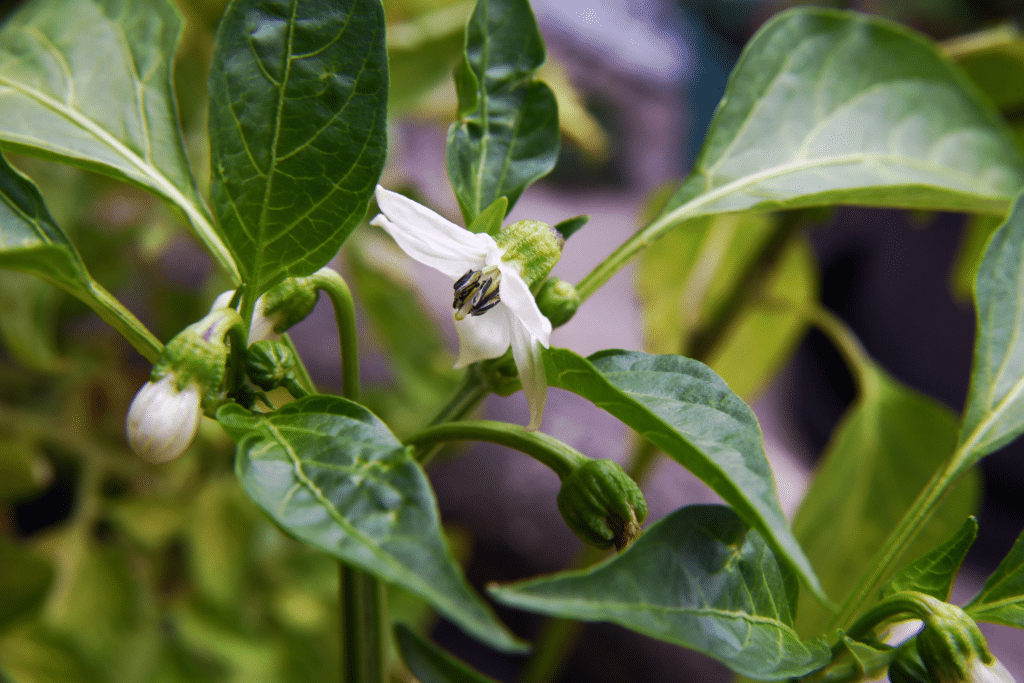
pixel 361 597
pixel 345 314
pixel 550 451
pixel 363 612
pixel 120 318
pixel 467 396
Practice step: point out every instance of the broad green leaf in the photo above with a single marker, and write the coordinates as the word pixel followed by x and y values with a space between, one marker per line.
pixel 699 578
pixel 30 240
pixel 330 473
pixel 686 279
pixel 682 407
pixel 506 135
pixel 298 116
pixel 935 573
pixel 430 664
pixel 888 445
pixel 829 107
pixel 994 414
pixel 90 82
pixel 1001 600
pixel 24 581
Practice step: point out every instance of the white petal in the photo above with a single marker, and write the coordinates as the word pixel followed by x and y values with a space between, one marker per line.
pixel 526 351
pixel 162 421
pixel 516 295
pixel 484 336
pixel 430 238
pixel 994 673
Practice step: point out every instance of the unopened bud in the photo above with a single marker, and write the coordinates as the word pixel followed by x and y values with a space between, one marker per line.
pixel 271 364
pixel 602 504
pixel 558 301
pixel 163 419
pixel 533 246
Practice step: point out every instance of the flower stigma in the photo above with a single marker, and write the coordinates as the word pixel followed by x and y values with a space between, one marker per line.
pixel 476 292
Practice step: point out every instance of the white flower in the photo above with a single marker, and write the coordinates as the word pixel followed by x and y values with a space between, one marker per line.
pixel 162 421
pixel 262 326
pixel 494 307
pixel 980 672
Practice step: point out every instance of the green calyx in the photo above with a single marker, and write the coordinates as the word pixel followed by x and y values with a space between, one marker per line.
pixel 291 301
pixel 198 354
pixel 950 643
pixel 533 246
pixel 558 301
pixel 602 504
pixel 270 364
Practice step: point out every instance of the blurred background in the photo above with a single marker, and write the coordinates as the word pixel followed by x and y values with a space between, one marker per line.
pixel 175 571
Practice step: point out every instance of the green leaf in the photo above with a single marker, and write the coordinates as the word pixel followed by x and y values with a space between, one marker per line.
pixel 506 136
pixel 699 578
pixel 973 242
pixel 90 82
pixel 829 107
pixel 430 664
pixel 30 240
pixel 298 116
pixel 993 59
pixel 1001 600
pixel 886 448
pixel 330 473
pixel 490 219
pixel 687 411
pixel 25 580
pixel 422 51
pixel 994 414
pixel 935 573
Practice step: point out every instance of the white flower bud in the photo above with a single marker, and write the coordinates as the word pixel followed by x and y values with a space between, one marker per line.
pixel 162 421
pixel 980 672
pixel 262 326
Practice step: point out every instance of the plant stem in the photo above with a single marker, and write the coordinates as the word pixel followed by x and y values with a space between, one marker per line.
pixel 361 598
pixel 363 613
pixel 467 396
pixel 547 450
pixel 120 318
pixel 345 314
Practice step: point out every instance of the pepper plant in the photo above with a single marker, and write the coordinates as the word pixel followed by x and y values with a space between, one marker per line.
pixel 164 570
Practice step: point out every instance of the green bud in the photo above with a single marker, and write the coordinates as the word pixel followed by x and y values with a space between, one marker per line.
pixel 289 303
pixel 602 504
pixel 558 301
pixel 951 644
pixel 268 363
pixel 534 246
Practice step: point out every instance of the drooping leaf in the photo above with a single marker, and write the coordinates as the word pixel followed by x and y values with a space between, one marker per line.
pixel 330 473
pixel 422 50
pixel 935 573
pixel 298 115
pixel 687 411
pixel 90 82
pixel 993 59
pixel 430 664
pixel 1001 600
pixel 700 578
pixel 30 240
pixel 829 107
pixel 994 414
pixel 506 135
pixel 882 454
